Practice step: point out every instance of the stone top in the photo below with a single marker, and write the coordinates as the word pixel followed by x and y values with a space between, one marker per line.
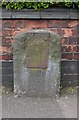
pixel 52 13
pixel 22 40
pixel 41 33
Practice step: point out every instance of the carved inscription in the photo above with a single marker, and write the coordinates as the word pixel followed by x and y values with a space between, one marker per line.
pixel 37 54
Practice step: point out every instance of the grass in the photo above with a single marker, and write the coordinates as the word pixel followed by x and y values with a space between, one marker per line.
pixel 68 90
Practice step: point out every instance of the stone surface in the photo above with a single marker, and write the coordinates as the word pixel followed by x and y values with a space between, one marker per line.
pixel 37 53
pixel 40 81
pixel 64 107
pixel 6 14
pixel 54 13
pixel 25 107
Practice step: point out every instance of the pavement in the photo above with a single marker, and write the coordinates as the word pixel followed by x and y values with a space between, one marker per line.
pixel 65 106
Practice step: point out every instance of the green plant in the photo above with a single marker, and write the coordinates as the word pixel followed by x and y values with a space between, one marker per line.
pixel 40 5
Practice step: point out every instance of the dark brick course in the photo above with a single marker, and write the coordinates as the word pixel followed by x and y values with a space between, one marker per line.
pixel 7 74
pixel 69 73
pixel 73 40
pixel 67 56
pixel 76 56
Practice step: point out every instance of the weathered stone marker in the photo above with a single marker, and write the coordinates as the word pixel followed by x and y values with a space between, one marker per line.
pixel 37 63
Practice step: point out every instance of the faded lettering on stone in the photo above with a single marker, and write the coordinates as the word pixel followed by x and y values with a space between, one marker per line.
pixel 37 54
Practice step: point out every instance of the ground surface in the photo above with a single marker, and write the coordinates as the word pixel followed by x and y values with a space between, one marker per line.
pixel 24 107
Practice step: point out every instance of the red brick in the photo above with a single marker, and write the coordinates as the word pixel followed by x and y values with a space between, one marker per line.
pixel 78 29
pixel 68 56
pixel 61 23
pixel 7 24
pixel 0 57
pixel 7 33
pixel 7 42
pixel 19 24
pixel 5 49
pixel 0 32
pixel 64 23
pixel 70 32
pixel 54 23
pixel 60 32
pixel 75 32
pixel 67 32
pixel 66 49
pixel 77 39
pixel 73 40
pixel 72 23
pixel 66 28
pixel 15 32
pixel 78 21
pixel 54 30
pixel 76 49
pixel 36 24
pixel 76 56
pixel 6 57
pixel 64 41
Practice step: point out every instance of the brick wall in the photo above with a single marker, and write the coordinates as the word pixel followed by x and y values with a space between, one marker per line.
pixel 67 29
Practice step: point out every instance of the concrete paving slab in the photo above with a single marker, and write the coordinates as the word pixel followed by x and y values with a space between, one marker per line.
pixel 28 107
